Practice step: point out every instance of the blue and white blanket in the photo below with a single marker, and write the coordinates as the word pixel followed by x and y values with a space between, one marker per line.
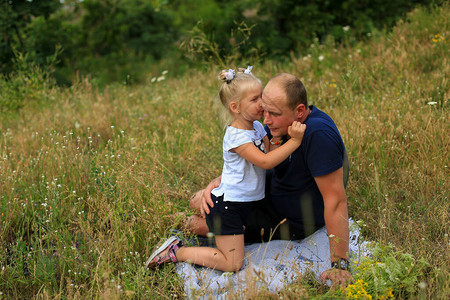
pixel 268 266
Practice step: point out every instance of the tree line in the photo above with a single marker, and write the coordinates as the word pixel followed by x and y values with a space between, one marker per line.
pixel 116 38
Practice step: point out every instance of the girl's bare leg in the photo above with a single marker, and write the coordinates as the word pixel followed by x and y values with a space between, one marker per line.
pixel 228 257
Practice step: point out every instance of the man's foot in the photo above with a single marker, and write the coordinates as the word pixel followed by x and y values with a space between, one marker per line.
pixel 193 240
pixel 188 240
pixel 164 252
pixel 179 220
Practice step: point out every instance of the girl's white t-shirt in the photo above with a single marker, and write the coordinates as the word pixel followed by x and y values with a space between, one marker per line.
pixel 241 180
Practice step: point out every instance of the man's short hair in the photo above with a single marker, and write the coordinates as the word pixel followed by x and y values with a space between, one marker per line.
pixel 294 89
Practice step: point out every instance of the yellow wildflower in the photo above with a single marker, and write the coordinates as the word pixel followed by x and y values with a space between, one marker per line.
pixel 438 38
pixel 388 294
pixel 358 290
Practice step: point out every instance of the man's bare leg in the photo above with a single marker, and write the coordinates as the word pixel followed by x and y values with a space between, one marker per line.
pixel 197 223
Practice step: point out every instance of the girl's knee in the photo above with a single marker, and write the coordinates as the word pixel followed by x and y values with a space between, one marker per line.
pixel 238 266
pixel 235 266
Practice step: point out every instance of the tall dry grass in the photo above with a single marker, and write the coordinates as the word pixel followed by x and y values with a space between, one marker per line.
pixel 90 180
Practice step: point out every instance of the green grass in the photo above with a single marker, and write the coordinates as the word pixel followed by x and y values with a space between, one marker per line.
pixel 90 179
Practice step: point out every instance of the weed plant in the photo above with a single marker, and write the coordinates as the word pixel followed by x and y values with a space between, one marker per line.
pixel 90 181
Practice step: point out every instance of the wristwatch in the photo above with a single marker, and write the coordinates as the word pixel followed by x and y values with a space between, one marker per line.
pixel 341 264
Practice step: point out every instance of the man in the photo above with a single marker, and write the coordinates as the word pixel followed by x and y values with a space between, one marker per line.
pixel 307 189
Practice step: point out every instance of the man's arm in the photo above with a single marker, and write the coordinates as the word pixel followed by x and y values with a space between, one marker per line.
pixel 206 201
pixel 331 187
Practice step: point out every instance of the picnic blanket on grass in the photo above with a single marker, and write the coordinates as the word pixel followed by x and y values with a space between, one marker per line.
pixel 269 266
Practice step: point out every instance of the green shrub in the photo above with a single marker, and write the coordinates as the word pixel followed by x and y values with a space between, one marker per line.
pixel 29 84
pixel 387 274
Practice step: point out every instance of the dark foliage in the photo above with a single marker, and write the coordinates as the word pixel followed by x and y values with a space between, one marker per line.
pixel 114 38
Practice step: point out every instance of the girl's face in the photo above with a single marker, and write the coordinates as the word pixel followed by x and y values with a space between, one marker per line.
pixel 250 106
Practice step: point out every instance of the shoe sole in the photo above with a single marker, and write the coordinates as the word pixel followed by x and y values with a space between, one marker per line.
pixel 160 249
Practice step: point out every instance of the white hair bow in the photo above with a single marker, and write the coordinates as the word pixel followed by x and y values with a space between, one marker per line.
pixel 248 70
pixel 229 75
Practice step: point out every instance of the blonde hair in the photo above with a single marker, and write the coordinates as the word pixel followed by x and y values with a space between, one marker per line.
pixel 232 89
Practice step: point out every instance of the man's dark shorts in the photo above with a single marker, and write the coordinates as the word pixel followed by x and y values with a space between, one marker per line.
pixel 228 217
pixel 264 224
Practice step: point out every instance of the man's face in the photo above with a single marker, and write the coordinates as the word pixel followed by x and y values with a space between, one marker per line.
pixel 277 115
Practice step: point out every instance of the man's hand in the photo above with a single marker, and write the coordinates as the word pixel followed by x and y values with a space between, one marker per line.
pixel 338 277
pixel 206 196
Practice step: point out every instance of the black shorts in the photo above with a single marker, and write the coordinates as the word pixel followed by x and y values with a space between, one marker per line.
pixel 228 217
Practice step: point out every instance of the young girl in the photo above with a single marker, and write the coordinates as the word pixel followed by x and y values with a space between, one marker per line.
pixel 243 176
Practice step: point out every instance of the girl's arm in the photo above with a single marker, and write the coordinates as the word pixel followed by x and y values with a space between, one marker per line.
pixel 269 160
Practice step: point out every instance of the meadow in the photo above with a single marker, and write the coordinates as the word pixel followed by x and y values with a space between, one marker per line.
pixel 90 179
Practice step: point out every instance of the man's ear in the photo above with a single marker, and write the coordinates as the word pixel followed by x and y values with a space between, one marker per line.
pixel 299 111
pixel 234 107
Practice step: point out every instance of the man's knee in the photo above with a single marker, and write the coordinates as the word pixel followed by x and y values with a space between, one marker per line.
pixel 197 225
pixel 196 200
